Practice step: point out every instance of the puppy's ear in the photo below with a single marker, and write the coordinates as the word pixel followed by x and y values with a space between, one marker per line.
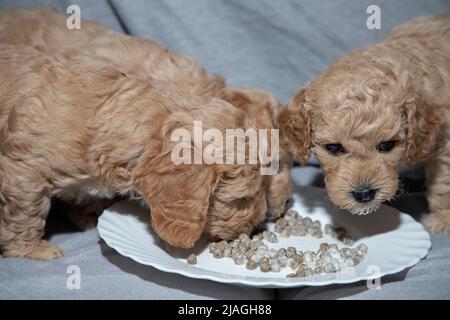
pixel 422 126
pixel 179 203
pixel 177 194
pixel 295 127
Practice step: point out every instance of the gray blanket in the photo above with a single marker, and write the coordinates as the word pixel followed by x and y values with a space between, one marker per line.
pixel 275 45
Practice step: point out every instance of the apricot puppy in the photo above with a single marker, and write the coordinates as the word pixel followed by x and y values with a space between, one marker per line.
pixel 373 109
pixel 146 59
pixel 80 130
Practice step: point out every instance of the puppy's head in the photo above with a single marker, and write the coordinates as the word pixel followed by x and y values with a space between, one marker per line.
pixel 262 109
pixel 219 199
pixel 238 202
pixel 360 122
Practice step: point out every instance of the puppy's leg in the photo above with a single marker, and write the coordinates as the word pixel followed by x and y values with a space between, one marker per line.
pixel 438 194
pixel 279 191
pixel 85 216
pixel 280 187
pixel 22 222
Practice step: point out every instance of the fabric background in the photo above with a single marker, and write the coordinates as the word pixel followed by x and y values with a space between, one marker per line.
pixel 275 45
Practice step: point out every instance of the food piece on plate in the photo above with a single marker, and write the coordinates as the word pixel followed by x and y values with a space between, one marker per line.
pixel 192 259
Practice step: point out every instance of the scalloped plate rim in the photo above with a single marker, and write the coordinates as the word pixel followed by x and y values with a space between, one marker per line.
pixel 254 281
pixel 266 284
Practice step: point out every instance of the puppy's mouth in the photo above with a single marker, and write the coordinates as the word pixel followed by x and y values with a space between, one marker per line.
pixel 362 211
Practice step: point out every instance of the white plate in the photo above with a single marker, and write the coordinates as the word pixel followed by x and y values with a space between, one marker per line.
pixel 394 239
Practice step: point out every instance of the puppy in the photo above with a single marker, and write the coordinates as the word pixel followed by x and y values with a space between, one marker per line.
pixel 77 129
pixel 146 59
pixel 374 108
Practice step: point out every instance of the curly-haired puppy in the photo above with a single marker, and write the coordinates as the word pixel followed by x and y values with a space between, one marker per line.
pixel 146 59
pixel 77 129
pixel 372 109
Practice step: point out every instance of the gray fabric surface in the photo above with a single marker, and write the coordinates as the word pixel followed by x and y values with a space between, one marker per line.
pixel 104 275
pixel 276 45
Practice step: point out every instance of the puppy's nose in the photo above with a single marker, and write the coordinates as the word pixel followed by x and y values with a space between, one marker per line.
pixel 364 194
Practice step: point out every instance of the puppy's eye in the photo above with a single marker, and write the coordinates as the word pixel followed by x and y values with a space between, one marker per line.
pixel 386 146
pixel 335 148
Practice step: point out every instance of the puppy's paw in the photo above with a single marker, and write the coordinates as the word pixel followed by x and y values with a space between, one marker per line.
pixel 274 213
pixel 42 250
pixel 438 222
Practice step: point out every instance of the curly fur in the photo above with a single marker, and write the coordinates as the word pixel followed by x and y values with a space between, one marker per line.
pixel 399 90
pixel 130 93
pixel 145 59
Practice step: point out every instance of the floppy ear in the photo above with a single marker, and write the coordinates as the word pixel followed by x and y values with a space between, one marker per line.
pixel 179 203
pixel 422 126
pixel 295 127
pixel 177 194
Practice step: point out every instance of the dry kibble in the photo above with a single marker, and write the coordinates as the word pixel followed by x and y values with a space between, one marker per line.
pixel 347 240
pixel 240 259
pixel 249 254
pixel 255 251
pixel 192 259
pixel 294 264
pixel 333 248
pixel 257 258
pixel 349 262
pixel 292 214
pixel 323 247
pixel 361 249
pixel 284 261
pixel 301 272
pixel 308 256
pixel 298 258
pixel 273 238
pixel 346 252
pixel 275 266
pixel 285 233
pixel 298 231
pixel 223 244
pixel 281 223
pixel 316 224
pixel 254 244
pixel 227 252
pixel 281 252
pixel 317 233
pixel 308 272
pixel 261 252
pixel 272 253
pixel 329 268
pixel 264 265
pixel 251 264
pixel 212 247
pixel 290 252
pixel 318 270
pixel 257 237
pixel 219 254
pixel 336 264
pixel 243 236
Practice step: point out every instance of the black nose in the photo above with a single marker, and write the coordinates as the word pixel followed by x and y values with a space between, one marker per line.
pixel 364 194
